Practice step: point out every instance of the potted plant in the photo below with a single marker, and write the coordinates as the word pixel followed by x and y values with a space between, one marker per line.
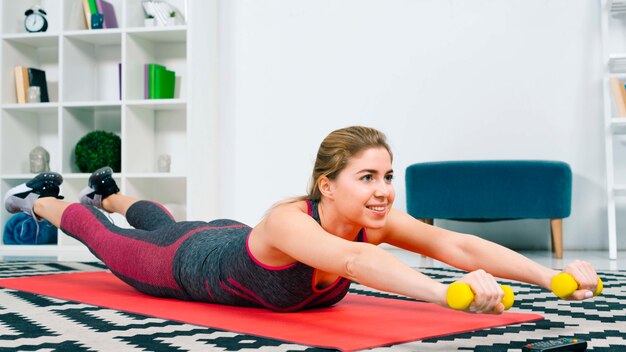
pixel 149 21
pixel 97 149
pixel 171 19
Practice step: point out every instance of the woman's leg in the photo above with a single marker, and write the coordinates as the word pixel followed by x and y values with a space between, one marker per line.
pixel 102 192
pixel 51 209
pixel 143 256
pixel 118 203
pixel 143 259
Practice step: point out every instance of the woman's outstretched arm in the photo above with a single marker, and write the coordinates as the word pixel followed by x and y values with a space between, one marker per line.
pixel 469 252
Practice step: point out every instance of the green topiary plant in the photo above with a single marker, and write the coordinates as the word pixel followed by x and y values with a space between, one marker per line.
pixel 97 149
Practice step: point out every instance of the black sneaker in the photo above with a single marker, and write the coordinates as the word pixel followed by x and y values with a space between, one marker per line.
pixel 22 198
pixel 101 185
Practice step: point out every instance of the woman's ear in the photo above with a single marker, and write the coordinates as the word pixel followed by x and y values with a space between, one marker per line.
pixel 325 186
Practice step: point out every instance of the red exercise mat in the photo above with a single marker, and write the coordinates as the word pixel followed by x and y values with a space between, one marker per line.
pixel 357 322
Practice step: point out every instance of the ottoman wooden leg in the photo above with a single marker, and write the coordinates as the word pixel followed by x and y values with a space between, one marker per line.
pixel 556 228
pixel 428 221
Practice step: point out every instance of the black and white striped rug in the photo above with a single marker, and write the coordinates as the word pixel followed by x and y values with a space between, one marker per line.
pixel 30 322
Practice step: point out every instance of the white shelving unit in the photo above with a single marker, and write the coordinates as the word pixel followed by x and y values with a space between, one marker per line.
pixel 613 20
pixel 84 88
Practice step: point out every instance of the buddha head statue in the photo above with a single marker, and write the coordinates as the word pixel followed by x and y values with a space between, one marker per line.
pixel 39 160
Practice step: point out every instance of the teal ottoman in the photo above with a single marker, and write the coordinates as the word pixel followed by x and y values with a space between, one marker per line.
pixel 492 190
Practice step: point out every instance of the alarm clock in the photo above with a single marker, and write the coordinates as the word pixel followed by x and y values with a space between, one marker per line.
pixel 35 20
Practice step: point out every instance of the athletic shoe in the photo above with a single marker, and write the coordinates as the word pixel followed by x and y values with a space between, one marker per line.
pixel 101 185
pixel 22 198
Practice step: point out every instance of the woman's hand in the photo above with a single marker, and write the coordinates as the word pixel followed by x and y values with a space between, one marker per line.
pixel 487 292
pixel 586 277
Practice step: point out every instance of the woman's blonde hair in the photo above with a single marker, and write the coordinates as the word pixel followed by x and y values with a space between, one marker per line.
pixel 336 150
pixel 334 153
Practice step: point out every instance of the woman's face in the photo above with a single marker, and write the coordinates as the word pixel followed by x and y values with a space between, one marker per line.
pixel 363 190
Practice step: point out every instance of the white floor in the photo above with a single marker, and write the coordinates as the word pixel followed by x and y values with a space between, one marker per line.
pixel 599 259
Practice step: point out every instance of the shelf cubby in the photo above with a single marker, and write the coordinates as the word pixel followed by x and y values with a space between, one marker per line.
pixel 163 45
pixel 157 130
pixel 25 129
pixel 39 52
pixel 92 66
pixel 80 120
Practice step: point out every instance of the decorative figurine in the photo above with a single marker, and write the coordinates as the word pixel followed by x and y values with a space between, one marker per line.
pixel 39 160
pixel 164 162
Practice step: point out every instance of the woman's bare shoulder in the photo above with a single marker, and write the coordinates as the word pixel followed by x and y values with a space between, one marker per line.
pixel 281 216
pixel 289 207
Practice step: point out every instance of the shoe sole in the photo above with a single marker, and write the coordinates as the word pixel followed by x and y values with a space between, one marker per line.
pixel 46 184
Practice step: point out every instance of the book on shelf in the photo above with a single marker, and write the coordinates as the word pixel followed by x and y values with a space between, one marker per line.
pixel 148 79
pixel 165 81
pixel 103 7
pixel 108 11
pixel 21 83
pixel 26 77
pixel 37 77
pixel 119 79
pixel 159 82
pixel 87 11
pixel 618 91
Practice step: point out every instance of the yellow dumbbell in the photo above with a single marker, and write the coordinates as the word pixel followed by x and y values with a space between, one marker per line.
pixel 460 296
pixel 563 285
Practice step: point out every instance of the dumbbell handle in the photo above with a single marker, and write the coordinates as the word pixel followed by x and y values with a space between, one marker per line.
pixel 564 284
pixel 460 296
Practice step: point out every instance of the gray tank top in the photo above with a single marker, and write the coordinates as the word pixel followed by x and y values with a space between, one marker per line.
pixel 217 266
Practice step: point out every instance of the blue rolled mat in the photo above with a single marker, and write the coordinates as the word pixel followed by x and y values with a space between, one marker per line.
pixel 22 229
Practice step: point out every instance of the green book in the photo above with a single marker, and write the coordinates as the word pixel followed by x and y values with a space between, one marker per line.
pixel 92 6
pixel 165 84
pixel 151 79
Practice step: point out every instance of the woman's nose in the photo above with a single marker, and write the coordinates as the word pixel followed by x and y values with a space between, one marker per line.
pixel 382 189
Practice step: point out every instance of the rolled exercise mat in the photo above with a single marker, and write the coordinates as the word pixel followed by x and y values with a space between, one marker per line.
pixel 22 228
pixel 357 322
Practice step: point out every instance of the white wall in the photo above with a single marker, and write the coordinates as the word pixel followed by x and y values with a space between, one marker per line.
pixel 444 79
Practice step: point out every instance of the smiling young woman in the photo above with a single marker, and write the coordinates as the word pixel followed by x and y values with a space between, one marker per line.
pixel 304 253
